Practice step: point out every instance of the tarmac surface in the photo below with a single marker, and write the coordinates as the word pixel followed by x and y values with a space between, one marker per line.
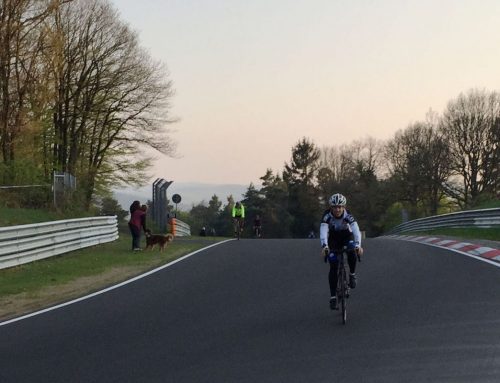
pixel 257 311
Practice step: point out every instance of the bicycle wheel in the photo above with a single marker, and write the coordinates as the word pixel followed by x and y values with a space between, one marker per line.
pixel 258 232
pixel 343 294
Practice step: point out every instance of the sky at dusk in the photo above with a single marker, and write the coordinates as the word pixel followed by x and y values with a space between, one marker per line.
pixel 254 77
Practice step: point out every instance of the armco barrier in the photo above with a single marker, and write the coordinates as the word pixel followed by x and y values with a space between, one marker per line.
pixel 179 228
pixel 27 243
pixel 484 218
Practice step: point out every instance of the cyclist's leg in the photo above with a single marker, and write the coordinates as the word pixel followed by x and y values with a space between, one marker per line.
pixel 333 276
pixel 333 280
pixel 352 260
pixel 235 226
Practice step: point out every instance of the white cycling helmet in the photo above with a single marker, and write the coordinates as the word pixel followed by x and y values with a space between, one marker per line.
pixel 337 200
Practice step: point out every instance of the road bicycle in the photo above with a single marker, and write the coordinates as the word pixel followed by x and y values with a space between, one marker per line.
pixel 342 283
pixel 238 227
pixel 343 289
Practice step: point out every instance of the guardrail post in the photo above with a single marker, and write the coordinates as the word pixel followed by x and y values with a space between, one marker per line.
pixel 173 226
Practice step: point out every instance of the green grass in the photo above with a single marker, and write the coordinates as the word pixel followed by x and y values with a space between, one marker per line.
pixel 492 234
pixel 19 216
pixel 488 205
pixel 30 278
pixel 88 262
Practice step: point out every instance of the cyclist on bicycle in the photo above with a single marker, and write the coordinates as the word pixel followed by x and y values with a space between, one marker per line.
pixel 257 226
pixel 238 214
pixel 338 229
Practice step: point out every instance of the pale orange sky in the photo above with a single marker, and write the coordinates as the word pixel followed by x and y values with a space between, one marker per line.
pixel 253 77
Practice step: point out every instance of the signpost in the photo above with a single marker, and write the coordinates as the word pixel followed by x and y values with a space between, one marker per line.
pixel 176 198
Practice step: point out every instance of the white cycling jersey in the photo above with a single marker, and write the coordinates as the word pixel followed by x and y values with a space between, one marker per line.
pixel 334 230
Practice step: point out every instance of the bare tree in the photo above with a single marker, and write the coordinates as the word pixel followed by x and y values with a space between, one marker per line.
pixel 495 171
pixel 470 126
pixel 365 156
pixel 112 99
pixel 418 161
pixel 336 168
pixel 344 165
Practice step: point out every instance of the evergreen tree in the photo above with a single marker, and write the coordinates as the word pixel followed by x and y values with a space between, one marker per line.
pixel 300 176
pixel 276 219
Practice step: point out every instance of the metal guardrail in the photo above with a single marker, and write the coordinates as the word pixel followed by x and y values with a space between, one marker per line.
pixel 179 228
pixel 483 218
pixel 27 243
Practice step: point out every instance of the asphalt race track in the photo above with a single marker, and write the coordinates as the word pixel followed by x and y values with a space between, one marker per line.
pixel 257 311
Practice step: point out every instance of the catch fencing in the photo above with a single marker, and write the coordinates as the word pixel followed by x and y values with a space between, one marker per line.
pixel 483 218
pixel 26 243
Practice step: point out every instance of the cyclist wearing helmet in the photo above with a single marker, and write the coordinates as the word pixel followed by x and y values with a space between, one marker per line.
pixel 238 214
pixel 338 229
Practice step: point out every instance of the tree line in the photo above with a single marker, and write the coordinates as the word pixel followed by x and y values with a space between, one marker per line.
pixel 441 164
pixel 78 94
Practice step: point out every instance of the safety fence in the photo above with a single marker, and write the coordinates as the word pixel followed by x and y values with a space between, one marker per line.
pixel 483 218
pixel 26 243
pixel 179 228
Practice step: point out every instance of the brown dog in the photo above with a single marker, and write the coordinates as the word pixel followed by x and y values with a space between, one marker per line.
pixel 157 239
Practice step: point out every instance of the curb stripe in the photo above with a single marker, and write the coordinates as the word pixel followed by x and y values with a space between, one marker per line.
pixel 491 254
pixel 482 253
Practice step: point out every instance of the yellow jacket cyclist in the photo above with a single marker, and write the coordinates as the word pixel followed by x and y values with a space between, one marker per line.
pixel 238 210
pixel 238 214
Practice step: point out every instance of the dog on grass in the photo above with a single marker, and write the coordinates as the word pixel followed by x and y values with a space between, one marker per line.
pixel 157 239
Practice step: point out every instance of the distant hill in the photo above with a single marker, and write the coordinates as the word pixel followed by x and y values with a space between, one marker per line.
pixel 191 193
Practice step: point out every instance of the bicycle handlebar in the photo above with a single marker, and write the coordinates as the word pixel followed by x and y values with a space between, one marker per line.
pixel 344 248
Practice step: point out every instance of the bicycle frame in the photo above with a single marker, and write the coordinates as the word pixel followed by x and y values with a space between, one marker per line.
pixel 342 283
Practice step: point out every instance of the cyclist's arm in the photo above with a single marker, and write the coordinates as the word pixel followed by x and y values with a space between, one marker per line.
pixel 233 212
pixel 356 233
pixel 242 211
pixel 323 234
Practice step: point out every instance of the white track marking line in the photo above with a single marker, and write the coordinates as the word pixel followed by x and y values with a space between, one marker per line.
pixel 111 287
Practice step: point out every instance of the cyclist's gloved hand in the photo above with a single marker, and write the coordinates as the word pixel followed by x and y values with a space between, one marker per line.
pixel 359 249
pixel 325 253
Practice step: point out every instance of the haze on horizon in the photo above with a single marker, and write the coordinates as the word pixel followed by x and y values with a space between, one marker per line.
pixel 252 78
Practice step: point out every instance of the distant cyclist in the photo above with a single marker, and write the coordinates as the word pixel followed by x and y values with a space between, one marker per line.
pixel 338 229
pixel 257 226
pixel 238 214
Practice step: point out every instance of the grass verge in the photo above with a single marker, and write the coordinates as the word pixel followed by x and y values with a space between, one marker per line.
pixel 36 285
pixel 19 216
